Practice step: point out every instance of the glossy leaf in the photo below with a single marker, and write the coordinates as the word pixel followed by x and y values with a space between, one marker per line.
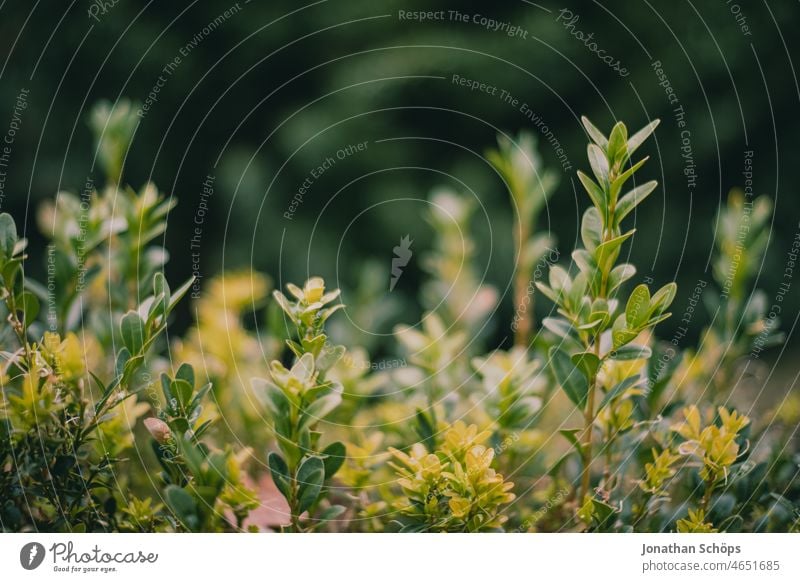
pixel 617 391
pixel 280 474
pixel 607 253
pixel 633 198
pixel 571 380
pixel 638 138
pixel 595 134
pixel 334 456
pixel 132 331
pixel 310 476
pixel 637 309
pixel 587 362
pixel 631 353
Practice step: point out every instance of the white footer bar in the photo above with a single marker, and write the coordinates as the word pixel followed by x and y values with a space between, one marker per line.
pixel 401 557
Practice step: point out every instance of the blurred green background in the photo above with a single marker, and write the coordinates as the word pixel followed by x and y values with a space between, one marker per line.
pixel 263 95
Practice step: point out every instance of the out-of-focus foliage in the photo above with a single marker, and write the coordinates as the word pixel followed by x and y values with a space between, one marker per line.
pixel 258 418
pixel 336 73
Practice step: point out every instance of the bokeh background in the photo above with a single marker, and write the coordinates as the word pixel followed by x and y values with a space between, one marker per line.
pixel 262 96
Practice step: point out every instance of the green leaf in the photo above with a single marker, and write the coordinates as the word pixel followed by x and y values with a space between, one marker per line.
pixel 22 244
pixel 595 134
pixel 620 333
pixel 587 362
pixel 596 193
pixel 599 163
pixel 315 344
pixel 633 198
pixel 334 456
pixel 310 476
pixel 607 253
pixel 620 180
pixel 178 294
pixel 631 353
pixel 131 366
pixel 637 309
pixel 572 381
pixel 617 390
pixel 663 299
pixel 303 368
pixel 578 288
pixel 182 391
pixel 277 402
pixel 29 305
pixel 199 395
pixel 558 326
pixel 198 431
pixel 547 291
pixel 11 270
pixel 601 317
pixel 640 136
pixel 161 294
pixel 617 142
pixel 619 275
pixel 585 262
pixel 132 330
pixel 183 505
pixel 658 319
pixel 280 474
pixel 571 434
pixel 123 356
pixel 332 512
pixel 8 236
pixel 328 358
pixel 591 228
pixel 285 304
pixel 186 372
pixel 558 278
pixel 622 337
pixel 424 428
pixel 595 511
pixel 593 323
pixel 319 409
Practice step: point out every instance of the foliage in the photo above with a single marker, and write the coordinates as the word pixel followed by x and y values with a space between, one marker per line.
pixel 595 332
pixel 62 432
pixel 299 398
pixel 588 422
pixel 465 301
pixel 530 186
pixel 454 488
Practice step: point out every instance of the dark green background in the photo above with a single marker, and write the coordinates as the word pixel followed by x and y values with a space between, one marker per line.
pixel 262 85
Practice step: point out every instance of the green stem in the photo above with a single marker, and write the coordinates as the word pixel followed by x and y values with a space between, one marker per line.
pixel 293 509
pixel 588 418
pixel 588 415
pixel 586 445
pixel 525 320
pixel 608 450
pixel 710 483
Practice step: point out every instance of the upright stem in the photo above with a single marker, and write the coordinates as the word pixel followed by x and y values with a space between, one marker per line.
pixel 609 436
pixel 586 445
pixel 710 482
pixel 524 319
pixel 586 441
pixel 588 414
pixel 293 507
